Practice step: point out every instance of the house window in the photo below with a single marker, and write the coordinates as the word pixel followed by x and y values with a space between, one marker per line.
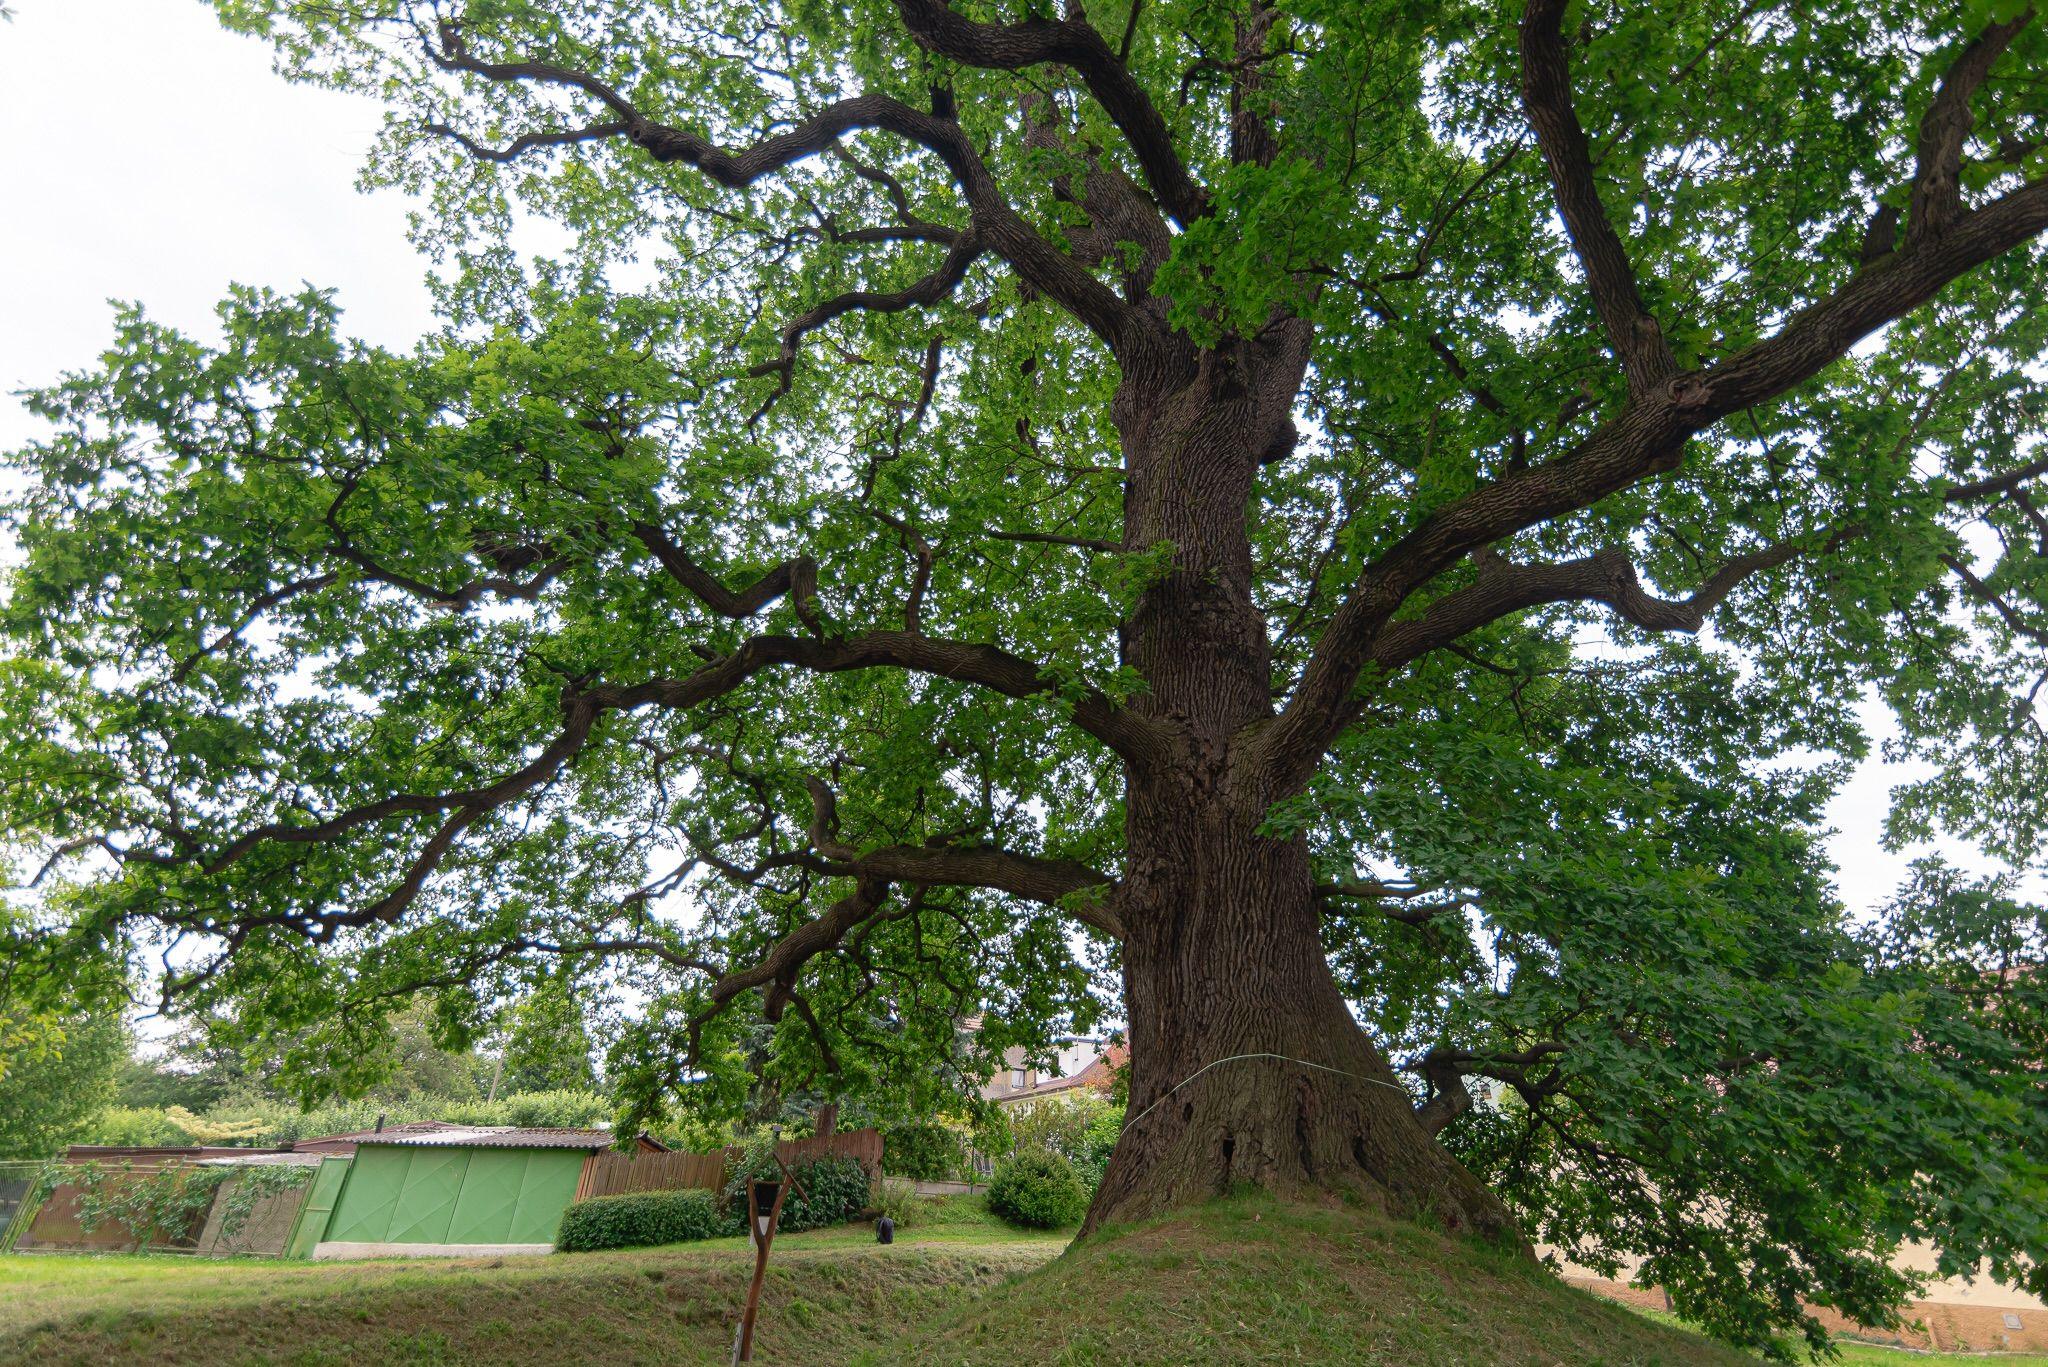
pixel 1016 1079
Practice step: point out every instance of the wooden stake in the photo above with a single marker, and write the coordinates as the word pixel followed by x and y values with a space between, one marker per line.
pixel 743 1346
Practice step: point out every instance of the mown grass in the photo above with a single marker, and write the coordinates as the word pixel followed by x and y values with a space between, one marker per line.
pixel 830 1295
pixel 1251 1280
pixel 1244 1281
pixel 1865 1355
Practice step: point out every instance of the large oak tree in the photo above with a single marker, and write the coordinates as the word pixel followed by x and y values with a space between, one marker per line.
pixel 1368 523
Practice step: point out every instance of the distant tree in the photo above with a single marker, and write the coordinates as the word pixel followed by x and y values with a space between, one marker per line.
pixel 547 1047
pixel 191 1068
pixel 221 1060
pixel 53 1087
pixel 416 1063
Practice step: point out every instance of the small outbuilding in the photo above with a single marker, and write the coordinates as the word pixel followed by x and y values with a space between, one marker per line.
pixel 459 1191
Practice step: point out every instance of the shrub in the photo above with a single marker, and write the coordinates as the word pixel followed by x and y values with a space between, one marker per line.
pixel 1061 1125
pixel 1098 1141
pixel 137 1126
pixel 898 1199
pixel 640 1219
pixel 923 1150
pixel 1037 1190
pixel 568 1109
pixel 835 1190
pixel 214 1130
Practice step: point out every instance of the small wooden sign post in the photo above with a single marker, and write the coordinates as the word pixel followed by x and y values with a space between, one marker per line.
pixel 764 1208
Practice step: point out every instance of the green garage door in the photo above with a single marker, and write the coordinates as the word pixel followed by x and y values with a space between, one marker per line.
pixel 363 1215
pixel 402 1194
pixel 514 1196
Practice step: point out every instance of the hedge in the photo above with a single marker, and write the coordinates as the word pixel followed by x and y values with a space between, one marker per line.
pixel 641 1219
pixel 1038 1190
pixel 835 1190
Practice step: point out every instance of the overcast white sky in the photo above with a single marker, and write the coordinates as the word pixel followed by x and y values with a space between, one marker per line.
pixel 147 155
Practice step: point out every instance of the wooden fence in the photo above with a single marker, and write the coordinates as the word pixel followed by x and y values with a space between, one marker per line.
pixel 609 1174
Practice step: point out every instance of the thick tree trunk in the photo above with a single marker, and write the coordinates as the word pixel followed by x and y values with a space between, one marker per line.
pixel 1247 1067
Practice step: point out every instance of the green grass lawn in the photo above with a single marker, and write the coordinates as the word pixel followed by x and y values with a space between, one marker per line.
pixel 1247 1281
pixel 1852 1354
pixel 831 1295
pixel 1862 1355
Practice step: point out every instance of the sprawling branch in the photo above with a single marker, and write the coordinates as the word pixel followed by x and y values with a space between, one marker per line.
pixel 1047 880
pixel 1408 903
pixel 1937 196
pixel 528 142
pixel 1001 229
pixel 797 577
pixel 1638 342
pixel 925 291
pixel 1055 882
pixel 1073 887
pixel 991 667
pixel 1071 42
pixel 463 596
pixel 1119 211
pixel 580 714
pixel 1445 1070
pixel 311 583
pixel 1992 486
pixel 1607 576
pixel 1976 586
pixel 1647 437
pixel 1079 543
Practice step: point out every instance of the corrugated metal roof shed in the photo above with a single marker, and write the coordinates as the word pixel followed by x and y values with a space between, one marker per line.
pixel 345 1143
pixel 498 1137
pixel 264 1158
pixel 140 1154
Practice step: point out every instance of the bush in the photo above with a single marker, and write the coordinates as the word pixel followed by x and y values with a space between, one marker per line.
pixel 835 1190
pixel 132 1126
pixel 641 1219
pixel 1038 1190
pixel 923 1150
pixel 1098 1141
pixel 1062 1125
pixel 898 1199
pixel 566 1109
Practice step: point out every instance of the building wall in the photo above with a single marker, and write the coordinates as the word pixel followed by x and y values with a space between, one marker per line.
pixel 1072 1056
pixel 1076 1054
pixel 1005 1081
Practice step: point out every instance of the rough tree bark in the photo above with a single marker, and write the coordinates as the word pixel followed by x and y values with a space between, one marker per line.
pixel 1223 962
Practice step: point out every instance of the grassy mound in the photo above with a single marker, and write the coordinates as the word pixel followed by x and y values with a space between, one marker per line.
pixel 1244 1281
pixel 829 1296
pixel 1253 1281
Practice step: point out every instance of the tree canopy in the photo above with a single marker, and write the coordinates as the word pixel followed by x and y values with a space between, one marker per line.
pixel 547 1045
pixel 57 1077
pixel 983 501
